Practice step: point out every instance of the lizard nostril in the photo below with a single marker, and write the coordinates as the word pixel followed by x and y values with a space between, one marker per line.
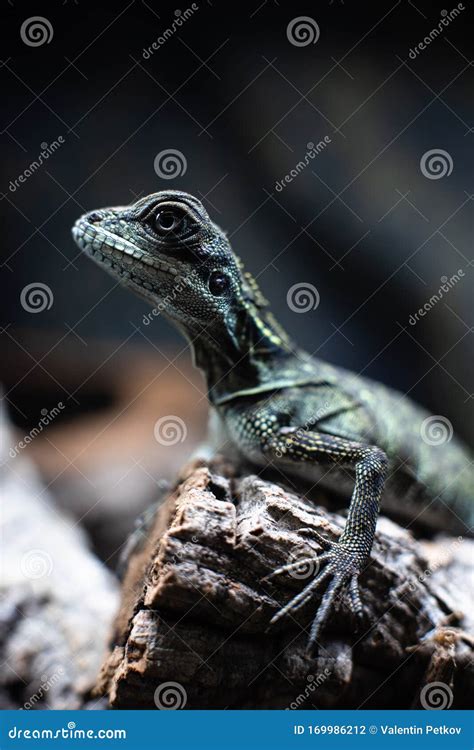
pixel 94 216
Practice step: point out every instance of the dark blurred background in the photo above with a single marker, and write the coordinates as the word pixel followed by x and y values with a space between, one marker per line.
pixel 230 90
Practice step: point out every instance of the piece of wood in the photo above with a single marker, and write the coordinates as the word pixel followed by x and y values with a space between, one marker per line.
pixel 57 600
pixel 192 630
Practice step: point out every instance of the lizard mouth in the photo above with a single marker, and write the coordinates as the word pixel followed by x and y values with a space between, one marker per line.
pixel 104 246
pixel 118 256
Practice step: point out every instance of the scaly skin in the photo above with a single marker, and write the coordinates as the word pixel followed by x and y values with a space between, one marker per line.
pixel 273 402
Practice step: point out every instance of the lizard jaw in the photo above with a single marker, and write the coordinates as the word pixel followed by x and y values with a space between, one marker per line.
pixel 103 245
pixel 121 258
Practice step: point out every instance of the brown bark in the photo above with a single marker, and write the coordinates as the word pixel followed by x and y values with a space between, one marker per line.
pixel 195 611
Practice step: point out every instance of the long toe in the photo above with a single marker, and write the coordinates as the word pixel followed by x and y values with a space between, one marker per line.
pixel 294 566
pixel 303 595
pixel 354 594
pixel 324 610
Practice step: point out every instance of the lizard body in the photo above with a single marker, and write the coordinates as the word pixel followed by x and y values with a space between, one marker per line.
pixel 273 402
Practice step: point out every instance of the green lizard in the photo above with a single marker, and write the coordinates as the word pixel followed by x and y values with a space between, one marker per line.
pixel 274 403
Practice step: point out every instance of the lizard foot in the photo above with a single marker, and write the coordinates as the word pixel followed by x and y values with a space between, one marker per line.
pixel 338 567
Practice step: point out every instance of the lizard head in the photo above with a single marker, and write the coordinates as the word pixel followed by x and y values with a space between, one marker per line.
pixel 167 249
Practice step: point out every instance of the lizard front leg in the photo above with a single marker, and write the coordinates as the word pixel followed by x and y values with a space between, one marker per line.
pixel 342 562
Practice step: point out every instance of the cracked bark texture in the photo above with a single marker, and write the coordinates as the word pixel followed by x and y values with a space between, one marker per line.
pixel 195 611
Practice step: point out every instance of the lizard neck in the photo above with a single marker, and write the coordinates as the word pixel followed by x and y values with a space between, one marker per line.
pixel 250 353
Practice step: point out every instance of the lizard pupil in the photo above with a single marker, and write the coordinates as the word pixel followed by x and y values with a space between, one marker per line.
pixel 218 283
pixel 167 221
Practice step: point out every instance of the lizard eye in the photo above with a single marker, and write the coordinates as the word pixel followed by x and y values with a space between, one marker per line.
pixel 218 283
pixel 168 221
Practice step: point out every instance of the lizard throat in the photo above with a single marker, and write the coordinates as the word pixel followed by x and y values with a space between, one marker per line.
pixel 249 356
